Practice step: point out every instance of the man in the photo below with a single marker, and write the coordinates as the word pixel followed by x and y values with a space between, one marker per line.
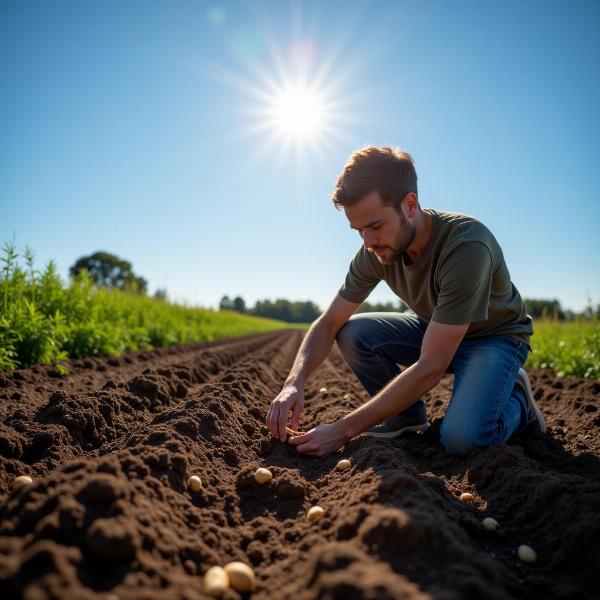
pixel 466 318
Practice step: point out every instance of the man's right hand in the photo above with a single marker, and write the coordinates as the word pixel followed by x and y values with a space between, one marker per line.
pixel 291 398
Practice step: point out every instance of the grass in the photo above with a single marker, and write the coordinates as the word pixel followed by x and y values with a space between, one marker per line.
pixel 44 320
pixel 570 348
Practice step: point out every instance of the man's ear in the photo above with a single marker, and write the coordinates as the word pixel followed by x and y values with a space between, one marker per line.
pixel 409 205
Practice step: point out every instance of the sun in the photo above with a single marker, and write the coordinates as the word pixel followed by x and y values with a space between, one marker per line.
pixel 297 112
pixel 294 102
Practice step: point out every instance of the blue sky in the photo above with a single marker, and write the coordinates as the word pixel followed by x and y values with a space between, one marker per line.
pixel 138 128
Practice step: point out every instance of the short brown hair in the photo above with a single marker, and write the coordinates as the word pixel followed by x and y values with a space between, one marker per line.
pixel 390 171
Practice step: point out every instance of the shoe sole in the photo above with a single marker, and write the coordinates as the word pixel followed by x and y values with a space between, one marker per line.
pixel 539 417
pixel 394 434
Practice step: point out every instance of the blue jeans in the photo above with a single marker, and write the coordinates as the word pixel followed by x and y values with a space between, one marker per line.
pixel 486 406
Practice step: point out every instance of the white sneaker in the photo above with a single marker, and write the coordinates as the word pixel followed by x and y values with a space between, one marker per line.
pixel 535 418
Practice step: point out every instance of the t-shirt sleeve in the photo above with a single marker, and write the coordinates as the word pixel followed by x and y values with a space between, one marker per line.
pixel 361 279
pixel 465 285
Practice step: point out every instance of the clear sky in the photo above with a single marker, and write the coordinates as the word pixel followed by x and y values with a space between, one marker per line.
pixel 159 131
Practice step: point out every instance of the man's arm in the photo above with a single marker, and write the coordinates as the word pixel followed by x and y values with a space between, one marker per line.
pixel 317 342
pixel 437 350
pixel 314 349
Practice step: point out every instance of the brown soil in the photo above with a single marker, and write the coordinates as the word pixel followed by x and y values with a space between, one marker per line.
pixel 109 516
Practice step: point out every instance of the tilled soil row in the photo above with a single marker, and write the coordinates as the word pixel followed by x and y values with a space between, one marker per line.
pixel 112 516
pixel 71 424
pixel 28 388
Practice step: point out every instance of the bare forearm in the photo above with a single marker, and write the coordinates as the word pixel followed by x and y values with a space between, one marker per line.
pixel 396 396
pixel 313 351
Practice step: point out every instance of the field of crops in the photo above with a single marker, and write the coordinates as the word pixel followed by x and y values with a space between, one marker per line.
pixel 570 349
pixel 44 320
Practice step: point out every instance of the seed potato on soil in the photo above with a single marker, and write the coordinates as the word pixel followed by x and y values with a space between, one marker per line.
pixel 241 576
pixel 489 524
pixel 343 465
pixel 216 581
pixel 315 513
pixel 195 483
pixel 22 481
pixel 262 475
pixel 111 446
pixel 526 553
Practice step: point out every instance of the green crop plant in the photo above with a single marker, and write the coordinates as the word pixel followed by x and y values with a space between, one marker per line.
pixel 570 348
pixel 44 320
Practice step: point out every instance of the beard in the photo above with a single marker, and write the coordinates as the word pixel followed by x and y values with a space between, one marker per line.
pixel 401 243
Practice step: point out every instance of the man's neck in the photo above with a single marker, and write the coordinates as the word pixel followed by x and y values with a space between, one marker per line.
pixel 422 235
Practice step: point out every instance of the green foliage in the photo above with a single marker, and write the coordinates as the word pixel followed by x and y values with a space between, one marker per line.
pixel 544 309
pixel 552 309
pixel 43 320
pixel 570 348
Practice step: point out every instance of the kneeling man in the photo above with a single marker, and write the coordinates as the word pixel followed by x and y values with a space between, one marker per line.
pixel 466 318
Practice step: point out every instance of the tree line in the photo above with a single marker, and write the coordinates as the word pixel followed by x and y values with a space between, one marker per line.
pixel 298 311
pixel 110 271
pixel 280 309
pixel 307 311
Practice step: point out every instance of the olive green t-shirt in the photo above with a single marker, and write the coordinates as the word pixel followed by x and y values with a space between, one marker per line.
pixel 461 277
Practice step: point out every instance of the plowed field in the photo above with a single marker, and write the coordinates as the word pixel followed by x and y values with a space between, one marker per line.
pixel 110 448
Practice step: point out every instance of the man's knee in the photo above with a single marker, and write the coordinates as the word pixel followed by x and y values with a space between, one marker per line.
pixel 457 439
pixel 349 335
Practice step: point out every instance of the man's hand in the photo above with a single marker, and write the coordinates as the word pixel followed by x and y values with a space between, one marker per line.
pixel 321 440
pixel 291 398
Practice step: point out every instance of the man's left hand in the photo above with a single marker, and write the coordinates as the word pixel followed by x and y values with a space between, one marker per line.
pixel 321 440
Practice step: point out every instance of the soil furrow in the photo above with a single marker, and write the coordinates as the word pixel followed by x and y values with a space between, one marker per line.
pixel 112 514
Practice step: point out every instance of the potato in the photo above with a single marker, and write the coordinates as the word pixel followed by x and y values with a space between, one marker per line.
pixel 262 475
pixel 241 576
pixel 489 524
pixel 315 513
pixel 343 465
pixel 195 483
pixel 22 481
pixel 216 581
pixel 323 390
pixel 467 497
pixel 527 553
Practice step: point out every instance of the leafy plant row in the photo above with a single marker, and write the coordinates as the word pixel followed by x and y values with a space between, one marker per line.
pixel 44 320
pixel 571 349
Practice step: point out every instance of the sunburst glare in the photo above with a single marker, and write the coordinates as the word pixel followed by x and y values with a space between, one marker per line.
pixel 298 112
pixel 293 99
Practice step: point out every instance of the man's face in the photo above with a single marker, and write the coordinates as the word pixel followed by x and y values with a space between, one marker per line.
pixel 385 233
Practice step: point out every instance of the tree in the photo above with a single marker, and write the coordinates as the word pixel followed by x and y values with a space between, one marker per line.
pixel 284 310
pixel 239 305
pixel 161 294
pixel 544 309
pixel 382 307
pixel 225 303
pixel 108 270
